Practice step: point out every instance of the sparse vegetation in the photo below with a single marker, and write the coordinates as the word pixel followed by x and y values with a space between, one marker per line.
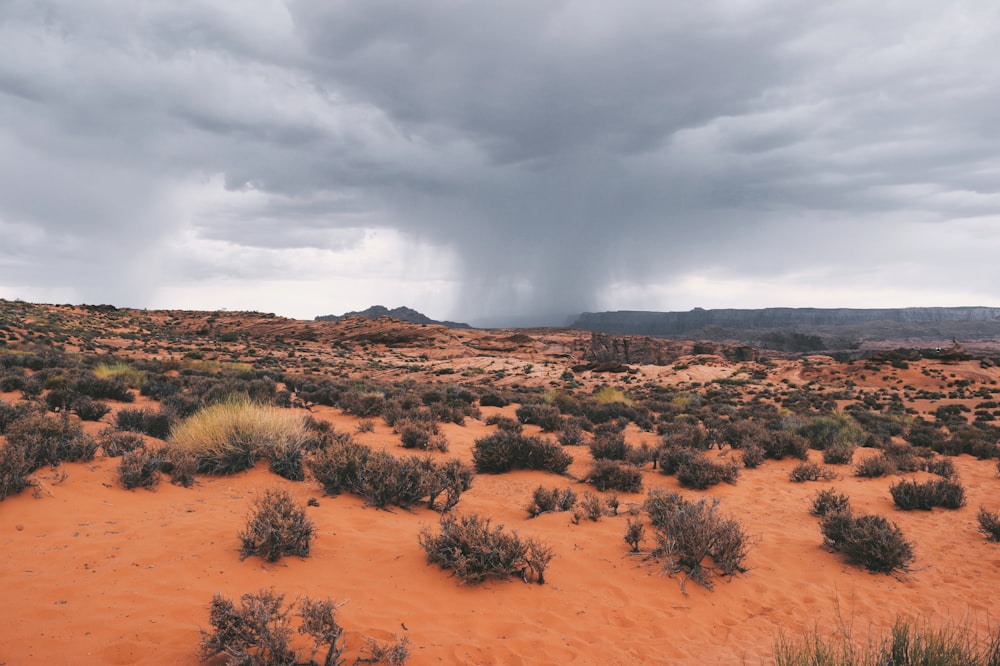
pixel 808 471
pixel 276 527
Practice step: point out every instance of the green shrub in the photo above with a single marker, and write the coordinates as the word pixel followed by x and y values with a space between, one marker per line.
pixel 276 527
pixel 615 475
pixel 503 451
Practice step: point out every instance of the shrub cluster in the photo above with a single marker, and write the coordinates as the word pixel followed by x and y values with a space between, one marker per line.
pixel 276 527
pixel 829 501
pixel 475 551
pixel 146 421
pixel 989 524
pixel 869 540
pixel 808 471
pixel 421 435
pixel 504 450
pixel 546 417
pixel 385 480
pixel 909 494
pixel 259 633
pixel 700 472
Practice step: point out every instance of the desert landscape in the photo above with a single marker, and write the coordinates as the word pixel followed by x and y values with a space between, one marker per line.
pixel 661 500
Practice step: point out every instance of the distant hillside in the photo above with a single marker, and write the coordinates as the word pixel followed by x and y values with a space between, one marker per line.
pixel 402 313
pixel 802 329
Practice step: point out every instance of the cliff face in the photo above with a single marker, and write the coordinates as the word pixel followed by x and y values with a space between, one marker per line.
pixel 401 313
pixel 735 323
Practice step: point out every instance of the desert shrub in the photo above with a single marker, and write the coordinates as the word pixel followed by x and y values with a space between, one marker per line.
pixel 259 633
pixel 615 475
pixel 475 551
pixel 689 435
pixel 159 388
pixel 337 466
pixel 989 524
pixel 571 434
pixel 14 470
pixel 60 399
pixel 590 506
pixel 660 503
pixel 921 433
pixel 808 471
pixel 548 500
pixel 785 444
pixel 635 533
pixel 840 429
pixel 829 501
pixel 875 466
pixel 11 412
pixel 942 467
pixel 89 410
pixel 103 388
pixel 546 417
pixel 139 468
pixel 503 451
pixel 504 423
pixel 869 540
pixel 839 454
pixel 384 480
pixel 695 538
pixel 670 458
pixel 180 465
pixel 148 422
pixel 421 435
pixel 49 440
pixel 276 527
pixel 905 457
pixel 609 444
pixel 452 478
pixel 231 436
pixel 909 494
pixel 752 455
pixel 701 472
pixel 493 400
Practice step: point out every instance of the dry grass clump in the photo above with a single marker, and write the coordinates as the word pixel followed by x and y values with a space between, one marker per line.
pixel 132 377
pixel 909 494
pixel 906 644
pixel 276 527
pixel 475 551
pixel 231 436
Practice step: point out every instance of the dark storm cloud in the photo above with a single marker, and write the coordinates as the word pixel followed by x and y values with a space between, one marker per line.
pixel 557 148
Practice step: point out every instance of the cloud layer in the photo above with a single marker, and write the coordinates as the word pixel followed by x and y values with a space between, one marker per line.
pixel 499 158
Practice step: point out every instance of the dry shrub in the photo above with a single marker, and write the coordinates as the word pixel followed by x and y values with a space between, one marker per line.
pixel 942 467
pixel 338 465
pixel 615 475
pixel 276 527
pixel 635 533
pixel 989 524
pixel 549 500
pixel 808 471
pixel 671 457
pixel 695 538
pixel 48 440
pixel 700 472
pixel 421 435
pixel 829 501
pixel 869 540
pixel 752 455
pixel 875 466
pixel 503 451
pixel 609 444
pixel 139 468
pixel 909 494
pixel 841 453
pixel 230 436
pixel 475 551
pixel 590 506
pixel 14 470
pixel 259 633
pixel 146 421
pixel 115 443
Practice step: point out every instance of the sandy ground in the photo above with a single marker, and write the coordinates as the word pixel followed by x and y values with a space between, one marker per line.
pixel 97 574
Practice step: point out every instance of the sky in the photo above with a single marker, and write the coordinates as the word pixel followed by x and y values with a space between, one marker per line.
pixel 514 161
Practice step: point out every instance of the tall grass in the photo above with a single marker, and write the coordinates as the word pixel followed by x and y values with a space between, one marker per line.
pixel 231 436
pixel 132 377
pixel 609 394
pixel 907 643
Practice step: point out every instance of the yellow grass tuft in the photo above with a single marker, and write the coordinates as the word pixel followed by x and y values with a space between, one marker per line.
pixel 608 394
pixel 232 436
pixel 132 377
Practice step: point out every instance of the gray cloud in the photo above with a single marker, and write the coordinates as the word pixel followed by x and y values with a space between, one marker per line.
pixel 556 148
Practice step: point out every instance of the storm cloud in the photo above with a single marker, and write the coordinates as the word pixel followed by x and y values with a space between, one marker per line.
pixel 499 159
